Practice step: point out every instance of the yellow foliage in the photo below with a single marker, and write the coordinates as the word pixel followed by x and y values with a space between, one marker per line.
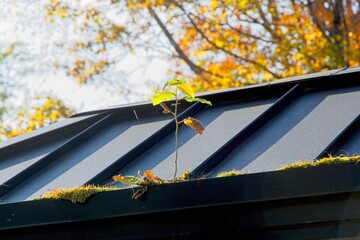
pixel 10 49
pixel 99 38
pixel 214 4
pixel 62 12
pixel 49 111
pixel 225 43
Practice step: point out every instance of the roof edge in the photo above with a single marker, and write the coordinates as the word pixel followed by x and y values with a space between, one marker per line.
pixel 290 82
pixel 243 189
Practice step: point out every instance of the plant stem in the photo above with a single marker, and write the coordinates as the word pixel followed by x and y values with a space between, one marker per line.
pixel 176 135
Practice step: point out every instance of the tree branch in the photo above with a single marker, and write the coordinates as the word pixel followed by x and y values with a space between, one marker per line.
pixel 311 6
pixel 196 69
pixel 223 49
pixel 265 23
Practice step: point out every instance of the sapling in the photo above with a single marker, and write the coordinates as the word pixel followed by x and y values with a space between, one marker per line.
pixel 171 91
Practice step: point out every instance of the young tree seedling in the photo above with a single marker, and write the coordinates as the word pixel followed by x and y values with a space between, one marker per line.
pixel 171 91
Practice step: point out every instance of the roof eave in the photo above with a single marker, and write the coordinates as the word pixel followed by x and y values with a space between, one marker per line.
pixel 286 198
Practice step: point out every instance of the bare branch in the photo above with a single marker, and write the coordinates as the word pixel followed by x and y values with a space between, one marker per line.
pixel 312 8
pixel 265 22
pixel 196 69
pixel 221 48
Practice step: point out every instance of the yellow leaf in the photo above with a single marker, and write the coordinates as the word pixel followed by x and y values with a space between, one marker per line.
pixel 214 4
pixel 124 179
pixel 219 43
pixel 185 175
pixel 62 12
pixel 90 71
pixel 186 89
pixel 162 96
pixel 194 124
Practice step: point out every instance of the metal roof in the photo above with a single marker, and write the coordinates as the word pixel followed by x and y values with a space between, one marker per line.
pixel 256 129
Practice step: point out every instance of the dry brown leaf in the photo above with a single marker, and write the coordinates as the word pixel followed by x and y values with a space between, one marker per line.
pixel 194 124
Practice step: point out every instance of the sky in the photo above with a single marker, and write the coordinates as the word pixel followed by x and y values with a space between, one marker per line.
pixel 23 21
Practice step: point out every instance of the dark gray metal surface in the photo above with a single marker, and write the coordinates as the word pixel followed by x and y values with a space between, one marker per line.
pixel 299 133
pixel 221 124
pixel 13 165
pixel 301 130
pixel 21 152
pixel 79 165
pixel 352 146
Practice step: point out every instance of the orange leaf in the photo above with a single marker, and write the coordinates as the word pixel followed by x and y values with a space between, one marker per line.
pixel 194 124
pixel 149 174
pixel 124 179
pixel 117 178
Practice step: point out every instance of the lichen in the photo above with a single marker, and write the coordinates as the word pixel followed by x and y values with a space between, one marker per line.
pixel 323 161
pixel 75 194
pixel 230 173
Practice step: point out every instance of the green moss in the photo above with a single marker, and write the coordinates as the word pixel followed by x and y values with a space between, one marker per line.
pixel 323 161
pixel 81 194
pixel 230 173
pixel 75 194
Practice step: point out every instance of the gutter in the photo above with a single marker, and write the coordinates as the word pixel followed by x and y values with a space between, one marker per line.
pixel 323 196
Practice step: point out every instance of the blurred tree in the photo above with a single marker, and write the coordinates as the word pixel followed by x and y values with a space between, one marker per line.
pixel 4 86
pixel 217 43
pixel 45 111
pixel 23 58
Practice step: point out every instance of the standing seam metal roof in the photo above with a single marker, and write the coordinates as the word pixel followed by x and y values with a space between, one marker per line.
pixel 255 128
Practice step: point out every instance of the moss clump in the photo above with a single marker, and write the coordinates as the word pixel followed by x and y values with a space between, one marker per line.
pixel 323 161
pixel 75 194
pixel 230 173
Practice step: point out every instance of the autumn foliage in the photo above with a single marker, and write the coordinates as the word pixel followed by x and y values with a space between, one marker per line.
pixel 43 113
pixel 216 44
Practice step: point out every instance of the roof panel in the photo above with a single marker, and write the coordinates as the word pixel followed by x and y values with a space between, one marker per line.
pixel 221 124
pixel 352 146
pixel 86 160
pixel 69 126
pixel 10 166
pixel 91 147
pixel 300 132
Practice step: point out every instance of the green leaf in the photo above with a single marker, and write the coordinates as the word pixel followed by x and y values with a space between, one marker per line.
pixel 189 99
pixel 175 82
pixel 161 97
pixel 201 100
pixel 186 89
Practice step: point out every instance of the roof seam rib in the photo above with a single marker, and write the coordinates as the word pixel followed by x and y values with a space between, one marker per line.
pixel 57 153
pixel 132 154
pixel 340 140
pixel 338 71
pixel 220 154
